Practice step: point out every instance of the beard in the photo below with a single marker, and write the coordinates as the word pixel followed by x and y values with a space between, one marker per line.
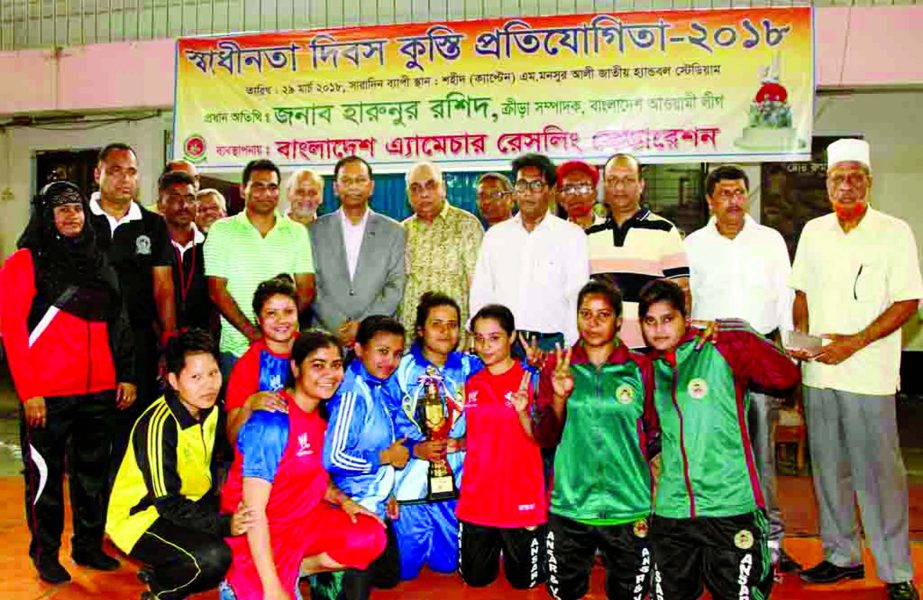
pixel 849 211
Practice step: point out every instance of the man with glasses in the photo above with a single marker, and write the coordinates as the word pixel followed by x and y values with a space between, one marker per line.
pixel 252 246
pixel 857 281
pixel 534 263
pixel 442 246
pixel 634 246
pixel 359 255
pixel 740 270
pixel 495 198
pixel 577 192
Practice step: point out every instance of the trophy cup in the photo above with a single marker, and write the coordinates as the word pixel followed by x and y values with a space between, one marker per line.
pixel 435 419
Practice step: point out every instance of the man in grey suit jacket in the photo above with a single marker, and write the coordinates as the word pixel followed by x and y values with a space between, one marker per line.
pixel 358 255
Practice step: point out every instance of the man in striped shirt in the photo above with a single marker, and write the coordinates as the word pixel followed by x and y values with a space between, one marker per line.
pixel 634 246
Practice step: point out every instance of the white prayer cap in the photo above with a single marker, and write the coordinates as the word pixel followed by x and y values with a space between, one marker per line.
pixel 848 150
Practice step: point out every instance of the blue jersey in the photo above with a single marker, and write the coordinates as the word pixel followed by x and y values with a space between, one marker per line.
pixel 358 429
pixel 412 482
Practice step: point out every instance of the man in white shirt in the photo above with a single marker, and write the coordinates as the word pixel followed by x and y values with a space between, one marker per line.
pixel 740 269
pixel 857 280
pixel 358 255
pixel 533 263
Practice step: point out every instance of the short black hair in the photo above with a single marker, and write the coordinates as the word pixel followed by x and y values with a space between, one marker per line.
pixel 186 343
pixel 260 164
pixel 174 177
pixel 630 157
pixel 661 290
pixel 104 153
pixel 602 288
pixel 542 162
pixel 499 313
pixel 725 173
pixel 310 341
pixel 348 159
pixel 372 325
pixel 429 301
pixel 280 285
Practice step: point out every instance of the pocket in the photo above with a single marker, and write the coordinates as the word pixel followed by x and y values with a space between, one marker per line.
pixel 870 284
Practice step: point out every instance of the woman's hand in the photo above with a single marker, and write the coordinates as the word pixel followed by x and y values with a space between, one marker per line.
pixel 354 509
pixel 396 454
pixel 562 381
pixel 432 450
pixel 268 401
pixel 125 395
pixel 241 520
pixel 392 509
pixel 276 593
pixel 36 411
pixel 520 399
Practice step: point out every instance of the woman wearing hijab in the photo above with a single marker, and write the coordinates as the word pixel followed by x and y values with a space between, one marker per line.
pixel 70 353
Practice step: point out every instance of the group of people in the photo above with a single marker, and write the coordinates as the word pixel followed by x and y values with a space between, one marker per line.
pixel 551 389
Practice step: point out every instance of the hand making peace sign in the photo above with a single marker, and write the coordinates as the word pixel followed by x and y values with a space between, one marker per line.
pixel 562 382
pixel 520 399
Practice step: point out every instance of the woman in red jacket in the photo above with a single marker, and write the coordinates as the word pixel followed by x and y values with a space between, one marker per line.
pixel 70 353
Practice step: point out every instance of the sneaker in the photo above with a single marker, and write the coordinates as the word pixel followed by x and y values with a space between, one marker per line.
pixel 787 564
pixel 51 571
pixel 95 559
pixel 902 591
pixel 827 572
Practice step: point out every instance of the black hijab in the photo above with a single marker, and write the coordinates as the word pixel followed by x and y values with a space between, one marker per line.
pixel 70 272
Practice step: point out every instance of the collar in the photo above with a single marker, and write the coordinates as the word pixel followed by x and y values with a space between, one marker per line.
pixel 181 413
pixel 358 370
pixel 749 224
pixel 670 356
pixel 452 362
pixel 620 354
pixel 863 224
pixel 545 222
pixel 133 214
pixel 642 214
pixel 197 238
pixel 362 222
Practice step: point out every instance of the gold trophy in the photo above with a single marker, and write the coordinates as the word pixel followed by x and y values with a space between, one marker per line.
pixel 434 415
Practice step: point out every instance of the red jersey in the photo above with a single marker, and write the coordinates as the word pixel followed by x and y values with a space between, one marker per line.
pixel 502 483
pixel 258 370
pixel 286 450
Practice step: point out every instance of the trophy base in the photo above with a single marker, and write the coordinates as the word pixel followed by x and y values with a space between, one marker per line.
pixel 441 488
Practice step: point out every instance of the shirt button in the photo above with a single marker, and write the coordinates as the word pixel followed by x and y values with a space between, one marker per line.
pixel 352 292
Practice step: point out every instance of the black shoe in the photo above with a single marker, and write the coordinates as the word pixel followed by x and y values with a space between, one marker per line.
pixel 902 591
pixel 95 559
pixel 827 572
pixel 787 564
pixel 51 571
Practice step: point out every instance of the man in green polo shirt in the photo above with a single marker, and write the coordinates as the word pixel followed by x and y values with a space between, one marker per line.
pixel 252 246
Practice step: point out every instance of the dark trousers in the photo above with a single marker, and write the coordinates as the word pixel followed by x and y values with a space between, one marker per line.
pixel 572 548
pixel 76 434
pixel 524 559
pixel 182 561
pixel 147 355
pixel 728 554
pixel 384 573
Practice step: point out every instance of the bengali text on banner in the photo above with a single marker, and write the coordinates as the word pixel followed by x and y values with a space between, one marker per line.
pixel 674 86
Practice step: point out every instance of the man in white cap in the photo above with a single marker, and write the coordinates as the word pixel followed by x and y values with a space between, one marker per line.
pixel 857 280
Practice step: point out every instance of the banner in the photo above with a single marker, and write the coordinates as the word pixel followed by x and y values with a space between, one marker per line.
pixel 668 86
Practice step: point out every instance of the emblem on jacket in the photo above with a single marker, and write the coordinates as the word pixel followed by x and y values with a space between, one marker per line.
pixel 698 388
pixel 143 245
pixel 625 394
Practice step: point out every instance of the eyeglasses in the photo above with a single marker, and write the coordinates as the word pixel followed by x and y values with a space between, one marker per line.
pixel 494 196
pixel 614 182
pixel 429 185
pixel 570 190
pixel 524 187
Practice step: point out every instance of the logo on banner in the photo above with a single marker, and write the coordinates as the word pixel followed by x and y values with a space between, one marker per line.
pixel 194 148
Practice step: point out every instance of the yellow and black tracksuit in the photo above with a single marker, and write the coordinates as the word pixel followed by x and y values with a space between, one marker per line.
pixel 164 505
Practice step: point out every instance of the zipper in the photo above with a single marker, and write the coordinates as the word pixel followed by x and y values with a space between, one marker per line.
pixel 682 444
pixel 89 358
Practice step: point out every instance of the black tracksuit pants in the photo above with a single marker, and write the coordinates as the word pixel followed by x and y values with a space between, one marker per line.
pixel 76 436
